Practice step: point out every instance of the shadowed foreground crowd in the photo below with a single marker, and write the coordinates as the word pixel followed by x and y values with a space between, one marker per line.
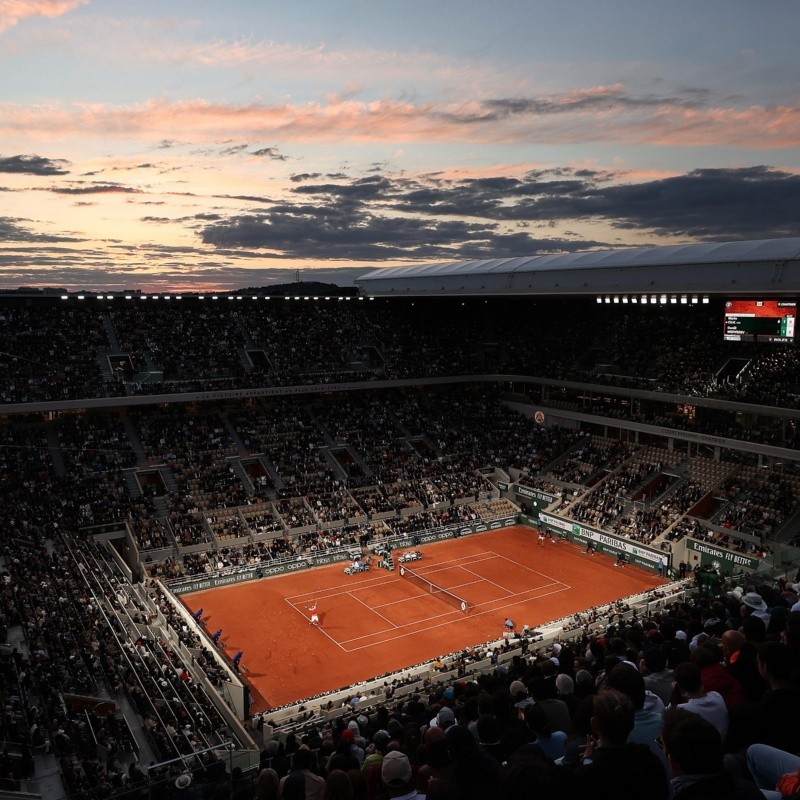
pixel 700 701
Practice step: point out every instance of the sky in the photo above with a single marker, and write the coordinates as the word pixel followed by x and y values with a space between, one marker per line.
pixel 197 145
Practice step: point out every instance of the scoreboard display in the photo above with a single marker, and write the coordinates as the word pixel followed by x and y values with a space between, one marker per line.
pixel 760 320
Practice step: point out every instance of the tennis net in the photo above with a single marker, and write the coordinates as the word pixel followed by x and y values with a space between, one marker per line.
pixel 459 603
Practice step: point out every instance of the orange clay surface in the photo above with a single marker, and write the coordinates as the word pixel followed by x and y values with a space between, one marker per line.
pixel 377 622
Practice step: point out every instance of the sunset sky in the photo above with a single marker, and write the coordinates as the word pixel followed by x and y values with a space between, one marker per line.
pixel 198 145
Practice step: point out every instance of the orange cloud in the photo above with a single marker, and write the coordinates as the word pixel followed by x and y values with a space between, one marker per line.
pixel 755 127
pixel 13 11
pixel 591 115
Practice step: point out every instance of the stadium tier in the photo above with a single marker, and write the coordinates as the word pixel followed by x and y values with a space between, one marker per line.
pixel 161 456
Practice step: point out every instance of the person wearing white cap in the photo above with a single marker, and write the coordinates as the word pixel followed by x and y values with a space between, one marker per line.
pixel 444 719
pixel 397 776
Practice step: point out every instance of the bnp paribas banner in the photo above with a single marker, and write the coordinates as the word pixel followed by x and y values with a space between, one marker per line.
pixel 718 557
pixel 636 553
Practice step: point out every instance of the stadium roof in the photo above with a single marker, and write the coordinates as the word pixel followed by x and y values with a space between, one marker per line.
pixel 765 266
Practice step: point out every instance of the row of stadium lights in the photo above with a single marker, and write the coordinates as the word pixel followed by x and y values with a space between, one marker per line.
pixel 210 297
pixel 654 299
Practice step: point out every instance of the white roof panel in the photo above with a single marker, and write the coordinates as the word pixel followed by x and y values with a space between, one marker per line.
pixel 671 255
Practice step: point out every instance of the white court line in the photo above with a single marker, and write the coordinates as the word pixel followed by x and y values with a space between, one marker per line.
pixel 506 600
pixel 380 578
pixel 502 588
pixel 490 555
pixel 514 597
pixel 318 627
pixel 350 588
pixel 417 596
pixel 393 624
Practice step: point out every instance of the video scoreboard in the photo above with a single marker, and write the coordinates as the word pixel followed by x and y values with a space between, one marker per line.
pixel 760 320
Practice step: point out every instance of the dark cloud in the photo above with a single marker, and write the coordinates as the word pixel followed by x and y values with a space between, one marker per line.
pixel 347 232
pixel 96 188
pixel 269 152
pixel 361 189
pixel 233 149
pixel 16 230
pixel 381 217
pixel 612 98
pixel 33 165
pixel 248 198
pixel 300 177
pixel 712 204
pixel 305 176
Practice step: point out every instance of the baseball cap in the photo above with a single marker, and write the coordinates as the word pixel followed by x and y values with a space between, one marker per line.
pixel 395 769
pixel 445 717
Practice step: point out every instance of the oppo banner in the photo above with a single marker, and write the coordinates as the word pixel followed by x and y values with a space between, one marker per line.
pixel 267 571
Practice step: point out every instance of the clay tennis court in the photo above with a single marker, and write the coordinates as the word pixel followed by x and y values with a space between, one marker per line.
pixel 376 622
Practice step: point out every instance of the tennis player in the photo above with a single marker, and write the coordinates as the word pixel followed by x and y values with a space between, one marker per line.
pixel 312 610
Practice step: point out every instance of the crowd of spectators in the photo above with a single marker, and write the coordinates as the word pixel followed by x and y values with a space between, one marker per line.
pixel 184 489
pixel 677 705
pixel 414 458
pixel 59 350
